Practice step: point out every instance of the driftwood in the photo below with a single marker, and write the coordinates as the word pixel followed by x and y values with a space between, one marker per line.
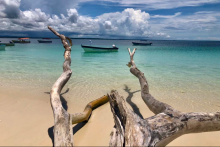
pixel 159 130
pixel 129 130
pixel 63 134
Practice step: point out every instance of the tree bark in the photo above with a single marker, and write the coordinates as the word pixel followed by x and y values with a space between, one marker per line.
pixel 63 134
pixel 84 116
pixel 166 125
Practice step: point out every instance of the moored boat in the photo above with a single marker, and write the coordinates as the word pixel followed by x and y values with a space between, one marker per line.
pixel 2 47
pixel 22 40
pixel 45 40
pixel 141 43
pixel 8 44
pixel 99 49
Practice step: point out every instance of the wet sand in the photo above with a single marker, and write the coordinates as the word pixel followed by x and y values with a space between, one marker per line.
pixel 26 119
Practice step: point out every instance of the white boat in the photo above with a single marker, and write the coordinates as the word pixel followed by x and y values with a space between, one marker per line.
pixel 2 47
pixel 99 49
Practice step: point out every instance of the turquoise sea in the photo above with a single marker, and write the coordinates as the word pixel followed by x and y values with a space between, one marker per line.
pixel 183 73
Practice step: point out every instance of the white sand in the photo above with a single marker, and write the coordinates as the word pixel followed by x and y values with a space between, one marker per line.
pixel 26 116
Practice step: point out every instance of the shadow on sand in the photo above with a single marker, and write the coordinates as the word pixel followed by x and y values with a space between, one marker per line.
pixel 65 106
pixel 76 128
pixel 128 99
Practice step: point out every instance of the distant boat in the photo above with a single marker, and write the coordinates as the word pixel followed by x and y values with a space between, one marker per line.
pixel 99 49
pixel 141 43
pixel 22 40
pixel 45 40
pixel 2 47
pixel 8 44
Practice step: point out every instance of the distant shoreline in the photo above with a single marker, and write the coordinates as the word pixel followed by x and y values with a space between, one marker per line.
pixel 109 39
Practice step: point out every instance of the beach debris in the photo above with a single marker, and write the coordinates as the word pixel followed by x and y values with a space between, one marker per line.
pixel 63 121
pixel 84 116
pixel 130 129
pixel 159 130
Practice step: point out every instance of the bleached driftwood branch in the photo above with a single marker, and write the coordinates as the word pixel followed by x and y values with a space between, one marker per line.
pixel 63 134
pixel 158 130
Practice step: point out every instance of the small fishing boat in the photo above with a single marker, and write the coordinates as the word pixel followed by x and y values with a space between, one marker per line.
pixel 22 40
pixel 45 40
pixel 8 44
pixel 2 47
pixel 99 49
pixel 143 42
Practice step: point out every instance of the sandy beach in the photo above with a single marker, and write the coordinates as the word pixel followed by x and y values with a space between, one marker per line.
pixel 174 44
pixel 26 119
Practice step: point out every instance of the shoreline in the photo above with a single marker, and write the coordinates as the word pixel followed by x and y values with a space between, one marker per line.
pixel 28 114
pixel 184 99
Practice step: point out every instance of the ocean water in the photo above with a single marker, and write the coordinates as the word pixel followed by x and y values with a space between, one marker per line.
pixel 181 73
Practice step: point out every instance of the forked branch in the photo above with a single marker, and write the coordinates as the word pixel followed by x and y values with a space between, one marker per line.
pixel 158 130
pixel 154 105
pixel 63 134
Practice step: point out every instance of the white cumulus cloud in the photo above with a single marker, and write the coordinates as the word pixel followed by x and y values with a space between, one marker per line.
pixel 9 8
pixel 73 15
pixel 35 15
pixel 129 22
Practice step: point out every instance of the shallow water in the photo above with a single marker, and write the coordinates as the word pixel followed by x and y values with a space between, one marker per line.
pixel 181 73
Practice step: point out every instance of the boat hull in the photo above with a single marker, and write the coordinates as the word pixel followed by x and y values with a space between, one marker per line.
pixel 45 41
pixel 19 41
pixel 137 43
pixel 8 44
pixel 98 49
pixel 2 47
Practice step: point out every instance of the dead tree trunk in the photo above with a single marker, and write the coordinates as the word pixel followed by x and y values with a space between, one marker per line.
pixel 166 125
pixel 63 134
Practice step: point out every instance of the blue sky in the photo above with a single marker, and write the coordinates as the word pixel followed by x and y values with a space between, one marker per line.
pixel 153 19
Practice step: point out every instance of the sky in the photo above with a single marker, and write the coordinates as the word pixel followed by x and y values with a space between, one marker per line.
pixel 124 19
